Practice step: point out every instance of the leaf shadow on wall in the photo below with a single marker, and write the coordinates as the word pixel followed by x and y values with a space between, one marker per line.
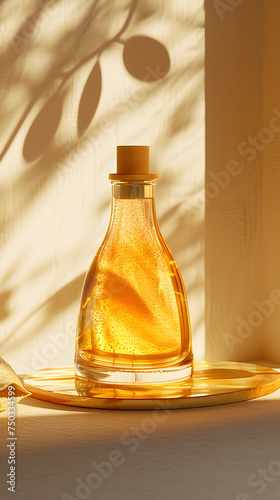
pixel 40 148
pixel 144 58
pixel 43 149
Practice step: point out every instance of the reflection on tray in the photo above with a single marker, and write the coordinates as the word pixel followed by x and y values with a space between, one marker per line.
pixel 213 383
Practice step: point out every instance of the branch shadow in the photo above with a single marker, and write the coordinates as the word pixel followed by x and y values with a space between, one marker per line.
pixel 47 156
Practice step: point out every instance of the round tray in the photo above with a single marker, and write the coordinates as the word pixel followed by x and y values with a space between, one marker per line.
pixel 213 383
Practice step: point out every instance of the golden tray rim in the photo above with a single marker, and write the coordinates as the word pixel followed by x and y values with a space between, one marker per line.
pixel 207 387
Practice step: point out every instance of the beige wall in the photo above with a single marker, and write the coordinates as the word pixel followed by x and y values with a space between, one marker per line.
pixel 242 242
pixel 54 189
pixel 233 231
pixel 271 175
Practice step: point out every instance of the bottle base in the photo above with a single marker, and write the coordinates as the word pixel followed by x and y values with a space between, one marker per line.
pixel 100 381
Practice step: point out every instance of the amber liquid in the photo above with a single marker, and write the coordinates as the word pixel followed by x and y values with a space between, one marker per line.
pixel 134 310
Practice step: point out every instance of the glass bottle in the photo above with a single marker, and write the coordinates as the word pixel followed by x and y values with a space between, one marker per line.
pixel 133 328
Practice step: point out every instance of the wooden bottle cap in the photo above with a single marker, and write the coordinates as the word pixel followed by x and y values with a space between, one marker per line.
pixel 133 164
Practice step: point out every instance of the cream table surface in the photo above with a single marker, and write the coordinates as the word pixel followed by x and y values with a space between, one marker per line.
pixel 196 454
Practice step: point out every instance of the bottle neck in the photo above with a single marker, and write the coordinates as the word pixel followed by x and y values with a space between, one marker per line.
pixel 133 189
pixel 133 207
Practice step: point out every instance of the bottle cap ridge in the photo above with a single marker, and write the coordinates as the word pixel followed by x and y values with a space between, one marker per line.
pixel 133 164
